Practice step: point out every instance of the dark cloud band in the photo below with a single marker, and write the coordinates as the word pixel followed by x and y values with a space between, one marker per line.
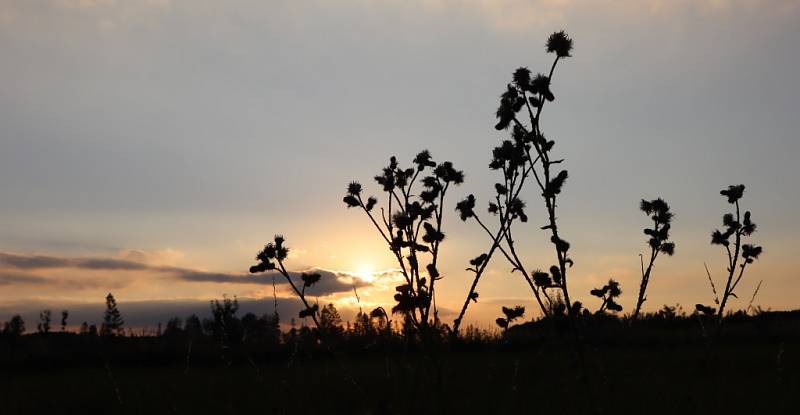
pixel 331 282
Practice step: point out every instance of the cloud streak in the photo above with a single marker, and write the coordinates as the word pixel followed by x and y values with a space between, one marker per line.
pixel 35 262
pixel 11 278
pixel 332 282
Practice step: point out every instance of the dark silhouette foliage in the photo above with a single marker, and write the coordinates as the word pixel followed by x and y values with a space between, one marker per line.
pixel 112 318
pixel 659 212
pixel 331 321
pixel 193 327
pixel 272 258
pixel 736 228
pixel 64 317
pixel 174 328
pixel 609 293
pixel 527 154
pixel 225 325
pixel 510 314
pixel 14 327
pixel 45 318
pixel 410 222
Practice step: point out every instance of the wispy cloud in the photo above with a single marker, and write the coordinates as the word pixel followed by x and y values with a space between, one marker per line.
pixel 332 282
pixel 32 262
pixel 11 278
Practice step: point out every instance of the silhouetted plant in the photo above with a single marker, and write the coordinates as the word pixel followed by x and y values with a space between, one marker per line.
pixel 736 228
pixel 64 317
pixel 276 253
pixel 705 310
pixel 668 312
pixel 658 211
pixel 410 223
pixel 381 320
pixel 609 294
pixel 510 314
pixel 112 318
pixel 528 153
pixel 45 317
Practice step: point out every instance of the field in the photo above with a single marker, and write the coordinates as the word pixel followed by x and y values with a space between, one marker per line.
pixel 662 368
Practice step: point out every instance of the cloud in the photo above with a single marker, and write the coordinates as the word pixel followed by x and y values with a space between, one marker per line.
pixel 83 283
pixel 153 257
pixel 31 262
pixel 11 278
pixel 332 282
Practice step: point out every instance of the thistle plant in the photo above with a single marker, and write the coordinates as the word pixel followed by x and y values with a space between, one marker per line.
pixel 609 294
pixel 272 258
pixel 737 227
pixel 659 213
pixel 527 154
pixel 510 314
pixel 410 222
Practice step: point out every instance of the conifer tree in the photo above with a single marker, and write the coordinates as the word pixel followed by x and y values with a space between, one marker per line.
pixel 112 318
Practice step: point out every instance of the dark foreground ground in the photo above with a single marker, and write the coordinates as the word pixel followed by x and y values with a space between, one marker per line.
pixel 745 373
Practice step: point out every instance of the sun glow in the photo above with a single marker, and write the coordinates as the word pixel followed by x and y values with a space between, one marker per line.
pixel 366 272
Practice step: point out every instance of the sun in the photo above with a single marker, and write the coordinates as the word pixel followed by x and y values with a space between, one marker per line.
pixel 366 272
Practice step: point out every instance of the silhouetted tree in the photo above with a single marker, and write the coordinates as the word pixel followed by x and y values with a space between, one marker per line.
pixel 112 318
pixel 64 317
pixel 260 328
pixel 173 328
pixel 658 211
pixel 330 322
pixel 252 327
pixel 193 327
pixel 609 294
pixel 14 327
pixel 276 252
pixel 225 325
pixel 362 325
pixel 410 223
pixel 273 327
pixel 45 317
pixel 736 227
pixel 528 153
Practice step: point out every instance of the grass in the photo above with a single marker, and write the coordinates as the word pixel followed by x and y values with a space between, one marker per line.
pixel 743 378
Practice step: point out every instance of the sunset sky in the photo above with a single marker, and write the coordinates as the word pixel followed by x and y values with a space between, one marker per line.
pixel 151 147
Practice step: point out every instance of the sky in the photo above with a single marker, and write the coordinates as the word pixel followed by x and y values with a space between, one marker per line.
pixel 150 148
